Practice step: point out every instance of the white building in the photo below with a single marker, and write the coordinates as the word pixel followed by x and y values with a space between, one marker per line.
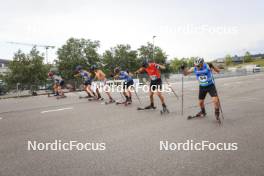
pixel 4 66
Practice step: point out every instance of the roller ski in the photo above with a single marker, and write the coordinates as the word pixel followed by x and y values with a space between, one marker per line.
pixel 164 110
pixel 60 97
pixel 147 107
pixel 110 102
pixel 53 94
pixel 81 97
pixel 126 103
pixel 200 114
pixel 121 103
pixel 95 99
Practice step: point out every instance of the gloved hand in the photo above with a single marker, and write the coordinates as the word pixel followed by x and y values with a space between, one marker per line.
pixel 210 65
pixel 182 67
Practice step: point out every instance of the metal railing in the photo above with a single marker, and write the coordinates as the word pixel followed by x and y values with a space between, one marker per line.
pixel 24 90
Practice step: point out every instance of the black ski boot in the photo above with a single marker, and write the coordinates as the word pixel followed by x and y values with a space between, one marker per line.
pixel 129 101
pixel 202 113
pixel 164 109
pixel 217 114
pixel 151 106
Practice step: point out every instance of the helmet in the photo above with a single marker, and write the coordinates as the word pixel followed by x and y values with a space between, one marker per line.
pixel 116 70
pixel 78 68
pixel 50 74
pixel 93 67
pixel 198 61
pixel 145 64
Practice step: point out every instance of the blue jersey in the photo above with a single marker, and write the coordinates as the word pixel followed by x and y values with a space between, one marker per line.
pixel 125 76
pixel 85 76
pixel 204 75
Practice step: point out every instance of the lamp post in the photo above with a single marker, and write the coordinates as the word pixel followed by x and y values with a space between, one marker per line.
pixel 153 38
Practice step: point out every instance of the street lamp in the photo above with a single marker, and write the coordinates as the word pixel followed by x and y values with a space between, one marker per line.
pixel 153 37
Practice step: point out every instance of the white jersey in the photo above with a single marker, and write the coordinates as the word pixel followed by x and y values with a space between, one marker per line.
pixel 56 78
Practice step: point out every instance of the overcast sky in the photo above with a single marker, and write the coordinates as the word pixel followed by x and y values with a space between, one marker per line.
pixel 206 28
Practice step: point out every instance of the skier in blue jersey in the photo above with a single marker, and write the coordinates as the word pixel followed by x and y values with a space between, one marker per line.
pixel 87 82
pixel 204 75
pixel 128 82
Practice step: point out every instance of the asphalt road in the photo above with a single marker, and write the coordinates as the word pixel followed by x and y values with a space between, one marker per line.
pixel 132 138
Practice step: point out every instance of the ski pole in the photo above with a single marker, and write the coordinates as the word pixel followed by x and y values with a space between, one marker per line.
pixel 137 97
pixel 221 110
pixel 182 97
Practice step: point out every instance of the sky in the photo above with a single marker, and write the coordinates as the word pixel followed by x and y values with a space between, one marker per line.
pixel 205 28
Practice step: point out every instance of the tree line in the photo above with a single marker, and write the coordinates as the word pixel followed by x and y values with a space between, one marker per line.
pixel 30 69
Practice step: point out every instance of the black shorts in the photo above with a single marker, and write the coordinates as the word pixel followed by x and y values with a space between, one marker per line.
pixel 87 82
pixel 126 85
pixel 155 84
pixel 62 83
pixel 207 89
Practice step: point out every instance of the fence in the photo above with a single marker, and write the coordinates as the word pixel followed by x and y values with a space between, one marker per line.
pixel 21 90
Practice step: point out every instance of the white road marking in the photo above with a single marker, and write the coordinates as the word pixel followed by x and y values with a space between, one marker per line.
pixel 1 118
pixel 55 110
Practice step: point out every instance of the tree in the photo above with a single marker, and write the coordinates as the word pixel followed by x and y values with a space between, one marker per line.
pixel 120 56
pixel 228 60
pixel 175 65
pixel 247 57
pixel 77 52
pixel 159 56
pixel 27 69
pixel 146 52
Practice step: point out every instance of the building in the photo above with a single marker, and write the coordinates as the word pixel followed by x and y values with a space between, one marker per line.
pixel 4 66
pixel 240 59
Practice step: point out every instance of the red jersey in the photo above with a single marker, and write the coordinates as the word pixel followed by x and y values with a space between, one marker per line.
pixel 153 71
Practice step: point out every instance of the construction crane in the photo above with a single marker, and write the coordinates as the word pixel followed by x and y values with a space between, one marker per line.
pixel 46 47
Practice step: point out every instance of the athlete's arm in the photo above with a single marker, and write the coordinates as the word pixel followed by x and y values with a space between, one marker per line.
pixel 140 70
pixel 213 68
pixel 101 73
pixel 186 71
pixel 161 66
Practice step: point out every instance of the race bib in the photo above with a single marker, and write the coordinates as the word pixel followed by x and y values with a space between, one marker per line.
pixel 203 78
pixel 153 78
